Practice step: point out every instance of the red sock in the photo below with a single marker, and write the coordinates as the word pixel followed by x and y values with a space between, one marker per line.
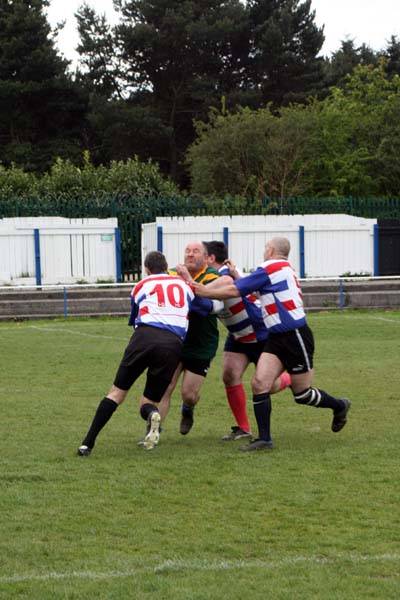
pixel 237 401
pixel 285 380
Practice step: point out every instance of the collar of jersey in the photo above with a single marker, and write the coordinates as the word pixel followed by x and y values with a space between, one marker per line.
pixel 203 270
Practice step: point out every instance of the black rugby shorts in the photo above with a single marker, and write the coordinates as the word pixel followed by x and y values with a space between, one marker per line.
pixel 158 351
pixel 295 349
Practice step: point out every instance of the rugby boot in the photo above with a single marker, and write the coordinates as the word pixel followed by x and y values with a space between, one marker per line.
pixel 257 445
pixel 153 435
pixel 84 450
pixel 186 421
pixel 340 417
pixel 236 433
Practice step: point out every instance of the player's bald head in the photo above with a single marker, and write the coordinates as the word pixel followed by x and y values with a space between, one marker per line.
pixel 281 245
pixel 277 247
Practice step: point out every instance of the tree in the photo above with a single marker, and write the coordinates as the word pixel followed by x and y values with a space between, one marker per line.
pixel 343 62
pixel 42 111
pixel 174 58
pixel 358 136
pixel 184 56
pixel 283 63
pixel 392 53
pixel 344 145
pixel 254 153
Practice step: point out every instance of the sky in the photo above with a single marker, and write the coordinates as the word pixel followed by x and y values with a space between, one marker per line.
pixel 372 22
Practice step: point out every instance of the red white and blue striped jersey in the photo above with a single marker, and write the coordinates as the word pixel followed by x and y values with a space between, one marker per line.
pixel 280 295
pixel 243 317
pixel 162 301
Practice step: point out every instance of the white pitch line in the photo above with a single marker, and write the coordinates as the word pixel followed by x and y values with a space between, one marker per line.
pixel 397 321
pixel 178 565
pixel 361 317
pixel 63 330
pixel 372 318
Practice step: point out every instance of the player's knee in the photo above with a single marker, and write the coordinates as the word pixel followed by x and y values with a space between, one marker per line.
pixel 258 386
pixel 229 378
pixel 310 396
pixel 190 396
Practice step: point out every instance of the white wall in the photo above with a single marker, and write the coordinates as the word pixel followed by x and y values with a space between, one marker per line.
pixel 70 250
pixel 333 244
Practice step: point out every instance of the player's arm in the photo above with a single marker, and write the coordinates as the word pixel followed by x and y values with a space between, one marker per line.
pixel 225 288
pixel 257 280
pixel 134 312
pixel 206 306
pixel 220 289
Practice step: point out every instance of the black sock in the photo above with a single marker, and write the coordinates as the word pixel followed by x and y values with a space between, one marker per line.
pixel 146 410
pixel 103 414
pixel 262 412
pixel 187 410
pixel 328 401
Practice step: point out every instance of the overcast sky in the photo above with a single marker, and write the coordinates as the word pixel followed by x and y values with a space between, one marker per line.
pixel 372 22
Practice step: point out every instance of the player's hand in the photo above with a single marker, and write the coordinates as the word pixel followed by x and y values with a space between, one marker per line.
pixel 199 289
pixel 232 268
pixel 184 273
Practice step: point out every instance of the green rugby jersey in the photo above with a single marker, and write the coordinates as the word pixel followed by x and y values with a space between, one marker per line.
pixel 202 337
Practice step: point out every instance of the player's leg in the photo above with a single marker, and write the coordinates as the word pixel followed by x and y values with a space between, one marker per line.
pixel 300 364
pixel 163 367
pixel 281 383
pixel 131 367
pixel 165 402
pixel 269 367
pixel 234 365
pixel 105 410
pixel 304 393
pixel 194 374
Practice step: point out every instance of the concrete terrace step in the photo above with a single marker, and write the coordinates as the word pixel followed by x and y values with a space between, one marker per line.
pixel 56 306
pixel 73 293
pixel 318 295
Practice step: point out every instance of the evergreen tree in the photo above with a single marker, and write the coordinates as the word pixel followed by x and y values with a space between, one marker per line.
pixel 392 53
pixel 343 62
pixel 41 109
pixel 178 58
pixel 283 63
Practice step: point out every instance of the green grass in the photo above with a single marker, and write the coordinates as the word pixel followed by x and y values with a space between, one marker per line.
pixel 317 517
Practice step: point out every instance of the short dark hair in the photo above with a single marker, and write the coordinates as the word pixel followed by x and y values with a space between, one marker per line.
pixel 217 248
pixel 156 262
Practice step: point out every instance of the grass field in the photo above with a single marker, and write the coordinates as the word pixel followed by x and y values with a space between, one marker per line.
pixel 318 517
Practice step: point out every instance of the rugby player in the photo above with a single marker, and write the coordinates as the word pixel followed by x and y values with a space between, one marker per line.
pixel 244 344
pixel 290 343
pixel 201 342
pixel 160 308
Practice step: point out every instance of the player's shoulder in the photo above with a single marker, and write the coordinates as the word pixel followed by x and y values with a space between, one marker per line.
pixel 211 270
pixel 209 274
pixel 274 265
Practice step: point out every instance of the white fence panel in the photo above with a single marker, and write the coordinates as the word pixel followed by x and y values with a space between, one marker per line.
pixel 70 250
pixel 149 239
pixel 333 244
pixel 17 257
pixel 246 248
pixel 332 252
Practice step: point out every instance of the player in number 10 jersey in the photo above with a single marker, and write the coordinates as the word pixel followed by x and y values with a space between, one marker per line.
pixel 160 308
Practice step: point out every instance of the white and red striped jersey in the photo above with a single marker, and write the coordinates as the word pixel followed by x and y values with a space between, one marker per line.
pixel 162 301
pixel 243 317
pixel 280 295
